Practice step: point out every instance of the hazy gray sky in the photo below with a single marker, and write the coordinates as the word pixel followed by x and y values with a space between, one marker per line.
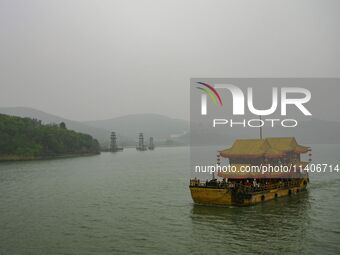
pixel 100 59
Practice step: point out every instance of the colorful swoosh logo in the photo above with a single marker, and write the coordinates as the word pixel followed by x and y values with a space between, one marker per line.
pixel 211 91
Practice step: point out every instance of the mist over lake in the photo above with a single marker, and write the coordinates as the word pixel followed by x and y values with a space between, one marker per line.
pixel 139 202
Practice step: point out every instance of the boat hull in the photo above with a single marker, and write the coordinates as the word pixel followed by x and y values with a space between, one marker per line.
pixel 226 197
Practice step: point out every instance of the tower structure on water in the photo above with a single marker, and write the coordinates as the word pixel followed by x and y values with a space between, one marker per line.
pixel 141 146
pixel 114 145
pixel 151 144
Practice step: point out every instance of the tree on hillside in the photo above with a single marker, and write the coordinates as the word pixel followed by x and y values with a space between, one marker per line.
pixel 29 138
pixel 62 125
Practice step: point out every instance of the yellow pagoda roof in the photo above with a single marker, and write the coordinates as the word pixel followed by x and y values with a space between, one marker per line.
pixel 268 147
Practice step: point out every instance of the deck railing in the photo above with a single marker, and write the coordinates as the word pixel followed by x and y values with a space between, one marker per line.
pixel 244 188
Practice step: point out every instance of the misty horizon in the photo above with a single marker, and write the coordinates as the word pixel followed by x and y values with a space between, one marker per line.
pixel 88 120
pixel 89 61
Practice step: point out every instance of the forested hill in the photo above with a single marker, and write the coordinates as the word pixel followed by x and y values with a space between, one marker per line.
pixel 25 138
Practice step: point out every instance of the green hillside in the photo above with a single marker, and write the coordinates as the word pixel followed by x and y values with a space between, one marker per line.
pixel 25 138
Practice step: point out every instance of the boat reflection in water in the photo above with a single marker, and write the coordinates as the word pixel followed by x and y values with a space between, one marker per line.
pixel 276 227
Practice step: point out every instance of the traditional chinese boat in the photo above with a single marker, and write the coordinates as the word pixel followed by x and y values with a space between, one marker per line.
pixel 241 187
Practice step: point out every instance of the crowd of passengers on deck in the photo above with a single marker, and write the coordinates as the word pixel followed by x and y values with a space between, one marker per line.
pixel 249 184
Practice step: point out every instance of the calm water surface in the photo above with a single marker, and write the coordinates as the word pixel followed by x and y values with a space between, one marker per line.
pixel 139 203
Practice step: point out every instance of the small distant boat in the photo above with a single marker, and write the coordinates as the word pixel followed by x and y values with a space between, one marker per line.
pixel 114 145
pixel 241 188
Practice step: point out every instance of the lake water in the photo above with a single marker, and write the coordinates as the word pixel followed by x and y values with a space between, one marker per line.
pixel 139 203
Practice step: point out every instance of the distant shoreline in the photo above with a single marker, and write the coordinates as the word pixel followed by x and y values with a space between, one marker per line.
pixel 11 158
